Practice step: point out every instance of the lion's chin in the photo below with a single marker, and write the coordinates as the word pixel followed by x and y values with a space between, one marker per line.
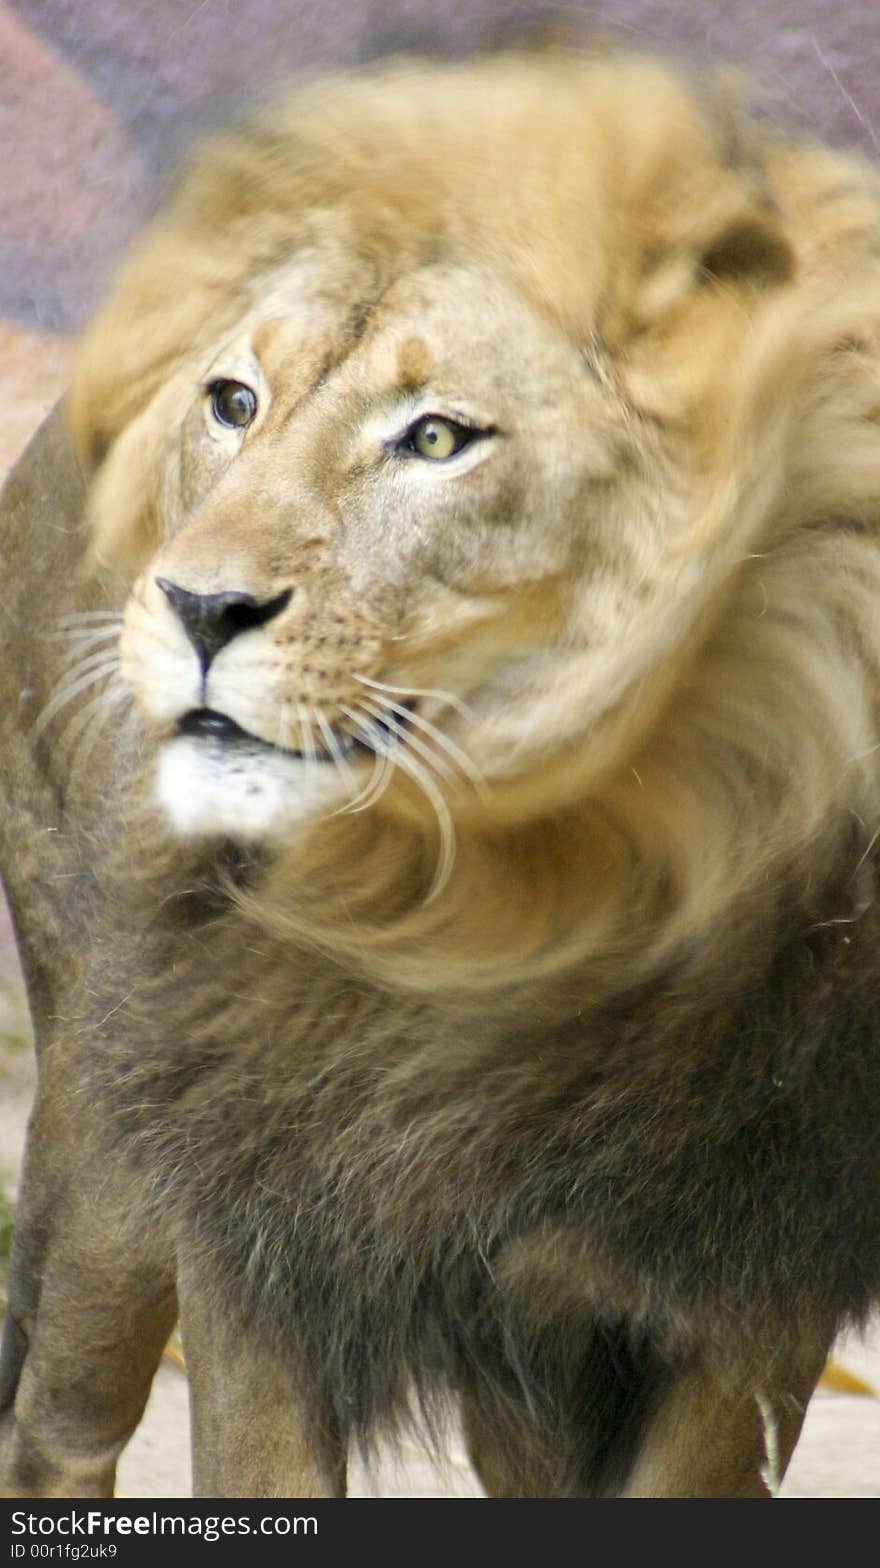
pixel 248 792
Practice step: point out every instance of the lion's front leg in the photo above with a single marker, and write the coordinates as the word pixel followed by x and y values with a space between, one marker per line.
pixel 636 1426
pixel 91 1304
pixel 249 1434
pixel 709 1439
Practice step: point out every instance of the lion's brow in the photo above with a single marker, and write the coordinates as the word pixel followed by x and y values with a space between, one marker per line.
pixel 348 335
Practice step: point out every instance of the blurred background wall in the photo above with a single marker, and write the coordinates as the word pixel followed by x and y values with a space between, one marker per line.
pixel 96 96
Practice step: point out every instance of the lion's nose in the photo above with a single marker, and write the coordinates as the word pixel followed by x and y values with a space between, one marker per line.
pixel 211 620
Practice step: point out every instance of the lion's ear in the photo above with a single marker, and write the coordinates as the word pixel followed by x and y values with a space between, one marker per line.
pixel 737 240
pixel 700 206
pixel 751 248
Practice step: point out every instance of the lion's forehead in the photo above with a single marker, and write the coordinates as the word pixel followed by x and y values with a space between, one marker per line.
pixel 338 326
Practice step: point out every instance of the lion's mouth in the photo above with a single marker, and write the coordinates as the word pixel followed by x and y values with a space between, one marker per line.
pixel 209 724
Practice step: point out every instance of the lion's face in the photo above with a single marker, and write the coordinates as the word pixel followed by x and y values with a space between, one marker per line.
pixel 394 529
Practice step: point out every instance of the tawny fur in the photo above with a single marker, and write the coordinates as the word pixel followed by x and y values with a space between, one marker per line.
pixel 556 1061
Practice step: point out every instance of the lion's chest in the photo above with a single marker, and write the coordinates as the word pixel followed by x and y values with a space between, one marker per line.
pixel 400 1190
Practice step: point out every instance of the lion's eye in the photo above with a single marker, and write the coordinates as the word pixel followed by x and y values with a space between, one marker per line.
pixel 437 438
pixel 232 403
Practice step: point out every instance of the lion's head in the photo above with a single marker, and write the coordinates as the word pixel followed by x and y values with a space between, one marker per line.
pixel 458 434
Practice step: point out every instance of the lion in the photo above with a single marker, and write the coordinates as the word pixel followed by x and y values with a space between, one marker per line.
pixel 442 769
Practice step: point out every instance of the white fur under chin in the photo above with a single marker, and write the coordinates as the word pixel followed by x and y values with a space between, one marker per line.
pixel 248 794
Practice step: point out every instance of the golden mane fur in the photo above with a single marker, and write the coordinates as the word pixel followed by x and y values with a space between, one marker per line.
pixel 723 284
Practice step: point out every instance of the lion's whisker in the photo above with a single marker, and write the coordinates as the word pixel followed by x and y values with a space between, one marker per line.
pixel 339 759
pixel 373 790
pixel 86 636
pixel 308 748
pixel 412 741
pixel 86 659
pixel 446 697
pixel 102 644
pixel 402 757
pixel 383 766
pixel 458 756
pixel 84 728
pixel 379 780
pixel 446 858
pixel 78 618
pixel 72 689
